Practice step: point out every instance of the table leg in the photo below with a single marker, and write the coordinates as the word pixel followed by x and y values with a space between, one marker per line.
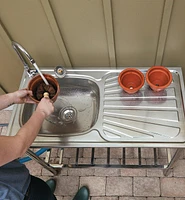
pixel 172 162
pixel 32 155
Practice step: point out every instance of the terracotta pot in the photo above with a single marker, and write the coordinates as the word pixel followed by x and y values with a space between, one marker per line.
pixel 38 88
pixel 131 80
pixel 158 78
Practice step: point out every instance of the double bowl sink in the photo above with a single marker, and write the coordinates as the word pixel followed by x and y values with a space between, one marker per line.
pixel 93 110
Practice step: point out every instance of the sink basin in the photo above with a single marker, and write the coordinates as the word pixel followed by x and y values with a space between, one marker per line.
pixel 76 108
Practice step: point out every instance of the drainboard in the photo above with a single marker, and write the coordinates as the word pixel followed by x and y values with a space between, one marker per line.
pixel 144 116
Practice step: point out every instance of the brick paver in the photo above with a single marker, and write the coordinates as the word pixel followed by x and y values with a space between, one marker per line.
pixel 119 186
pixel 132 198
pixel 173 187
pixel 146 186
pixel 67 185
pixel 96 184
pixel 159 198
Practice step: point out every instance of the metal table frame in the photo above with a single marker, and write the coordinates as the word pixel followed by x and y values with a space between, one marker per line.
pixel 54 168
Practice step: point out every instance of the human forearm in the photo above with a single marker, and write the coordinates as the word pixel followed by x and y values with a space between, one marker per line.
pixel 6 100
pixel 29 131
pixel 17 97
pixel 15 146
pixel 12 147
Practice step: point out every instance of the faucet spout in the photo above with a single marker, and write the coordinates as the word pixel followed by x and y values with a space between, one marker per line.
pixel 18 48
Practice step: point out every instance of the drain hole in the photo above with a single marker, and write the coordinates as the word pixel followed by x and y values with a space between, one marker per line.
pixel 68 114
pixel 131 88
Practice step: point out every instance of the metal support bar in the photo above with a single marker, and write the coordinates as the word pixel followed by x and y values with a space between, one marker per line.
pixel 155 156
pixel 123 157
pixel 32 155
pixel 92 156
pixel 77 155
pixel 139 156
pixel 108 156
pixel 172 162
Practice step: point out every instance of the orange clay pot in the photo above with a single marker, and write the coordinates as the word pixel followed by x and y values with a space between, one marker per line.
pixel 131 80
pixel 37 81
pixel 158 78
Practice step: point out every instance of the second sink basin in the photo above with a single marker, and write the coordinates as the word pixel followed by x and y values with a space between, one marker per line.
pixel 76 108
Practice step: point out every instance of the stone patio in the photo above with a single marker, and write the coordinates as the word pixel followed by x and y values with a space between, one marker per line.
pixel 112 183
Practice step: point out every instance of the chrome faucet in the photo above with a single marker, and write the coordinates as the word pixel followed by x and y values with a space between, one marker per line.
pixel 18 48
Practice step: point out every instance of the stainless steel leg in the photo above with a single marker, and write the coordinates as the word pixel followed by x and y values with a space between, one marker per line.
pixel 172 162
pixel 32 155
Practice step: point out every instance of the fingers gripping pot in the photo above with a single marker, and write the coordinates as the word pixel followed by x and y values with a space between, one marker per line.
pixel 38 87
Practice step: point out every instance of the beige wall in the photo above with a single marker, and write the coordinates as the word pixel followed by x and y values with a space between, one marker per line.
pixel 91 33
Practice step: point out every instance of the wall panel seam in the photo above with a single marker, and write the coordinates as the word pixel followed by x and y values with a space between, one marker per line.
pixel 56 32
pixel 107 8
pixel 167 12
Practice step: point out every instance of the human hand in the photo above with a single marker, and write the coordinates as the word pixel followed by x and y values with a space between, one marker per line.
pixel 22 96
pixel 45 106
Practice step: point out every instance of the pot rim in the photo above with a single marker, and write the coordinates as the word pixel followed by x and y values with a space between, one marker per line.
pixel 127 71
pixel 163 70
pixel 38 77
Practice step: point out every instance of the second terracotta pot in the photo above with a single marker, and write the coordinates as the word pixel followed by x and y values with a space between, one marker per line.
pixel 38 87
pixel 158 78
pixel 131 80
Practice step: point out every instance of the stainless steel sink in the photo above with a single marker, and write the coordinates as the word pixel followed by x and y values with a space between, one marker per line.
pixel 76 108
pixel 93 111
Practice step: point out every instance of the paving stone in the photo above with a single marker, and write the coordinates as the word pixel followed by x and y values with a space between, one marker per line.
pixel 130 152
pixel 103 161
pixel 96 185
pixel 46 172
pixel 159 198
pixel 67 185
pixel 55 152
pixel 146 186
pixel 107 172
pixel 162 161
pixel 147 153
pixel 173 187
pixel 100 153
pixel 66 161
pixel 119 186
pixel 34 168
pixel 133 172
pixel 81 171
pixel 179 169
pixel 84 161
pixel 132 198
pixel 63 171
pixel 155 173
pixel 116 152
pixel 135 161
pixel 87 152
pixel 69 152
pixel 179 198
pixel 104 198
